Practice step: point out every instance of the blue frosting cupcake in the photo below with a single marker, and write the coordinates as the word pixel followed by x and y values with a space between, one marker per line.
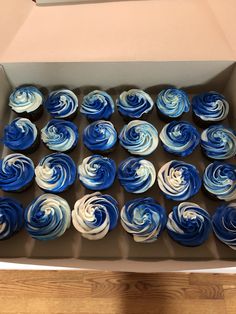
pixel 219 180
pixel 97 172
pixel 144 219
pixel 11 217
pixel 179 138
pixel 62 103
pixel 60 135
pixel 224 224
pixel 139 138
pixel 136 175
pixel 97 105
pixel 133 104
pixel 16 172
pixel 178 180
pixel 100 136
pixel 218 142
pixel 94 215
pixel 172 103
pixel 189 224
pixel 47 217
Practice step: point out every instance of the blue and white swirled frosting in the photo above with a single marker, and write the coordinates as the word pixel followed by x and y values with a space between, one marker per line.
pixel 189 224
pixel 144 219
pixel 179 180
pixel 210 107
pixel 139 138
pixel 20 134
pixel 97 105
pixel 134 103
pixel 94 215
pixel 62 103
pixel 219 179
pixel 11 217
pixel 172 102
pixel 224 224
pixel 16 172
pixel 47 217
pixel 136 175
pixel 55 172
pixel 100 136
pixel 97 172
pixel 218 142
pixel 60 135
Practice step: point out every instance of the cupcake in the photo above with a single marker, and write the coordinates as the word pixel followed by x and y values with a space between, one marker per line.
pixel 97 105
pixel 134 104
pixel 94 215
pixel 60 135
pixel 178 180
pixel 189 224
pixel 136 175
pixel 219 180
pixel 179 138
pixel 172 103
pixel 47 217
pixel 97 172
pixel 224 224
pixel 62 104
pixel 139 138
pixel 144 219
pixel 55 173
pixel 21 135
pixel 11 217
pixel 218 142
pixel 209 108
pixel 16 172
pixel 27 102
pixel 100 136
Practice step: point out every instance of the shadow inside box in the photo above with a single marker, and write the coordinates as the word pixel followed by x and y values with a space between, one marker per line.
pixel 223 251
pixel 156 89
pixel 14 246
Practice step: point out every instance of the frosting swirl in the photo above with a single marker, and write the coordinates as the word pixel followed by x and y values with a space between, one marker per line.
pixel 47 217
pixel 139 137
pixel 55 172
pixel 189 224
pixel 219 179
pixel 136 175
pixel 97 172
pixel 94 215
pixel 143 218
pixel 178 180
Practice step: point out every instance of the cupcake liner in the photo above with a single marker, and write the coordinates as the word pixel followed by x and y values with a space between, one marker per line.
pixel 32 116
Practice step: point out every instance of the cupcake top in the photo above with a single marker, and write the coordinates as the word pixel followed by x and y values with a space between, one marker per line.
pixel 25 99
pixel 11 217
pixel 20 134
pixel 94 215
pixel 218 142
pixel 219 179
pixel 178 180
pixel 134 103
pixel 97 105
pixel 55 172
pixel 179 138
pixel 210 107
pixel 47 217
pixel 16 172
pixel 136 175
pixel 97 172
pixel 172 102
pixel 139 137
pixel 224 224
pixel 143 218
pixel 60 135
pixel 62 103
pixel 100 136
pixel 189 224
